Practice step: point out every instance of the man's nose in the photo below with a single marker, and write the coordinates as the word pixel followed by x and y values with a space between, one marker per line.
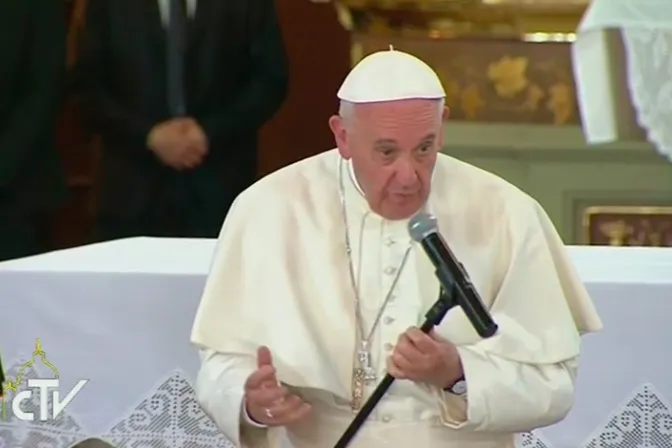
pixel 407 175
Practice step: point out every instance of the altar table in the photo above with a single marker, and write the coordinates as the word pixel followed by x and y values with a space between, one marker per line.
pixel 120 314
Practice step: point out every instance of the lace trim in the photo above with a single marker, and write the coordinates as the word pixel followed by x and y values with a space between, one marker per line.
pixel 168 417
pixel 171 417
pixel 642 421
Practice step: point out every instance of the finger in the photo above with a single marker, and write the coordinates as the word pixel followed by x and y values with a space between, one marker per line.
pixel 408 349
pixel 270 412
pixel 266 397
pixel 192 151
pixel 284 405
pixel 403 364
pixel 264 357
pixel 261 376
pixel 394 370
pixel 192 160
pixel 424 343
pixel 193 143
pixel 297 414
pixel 436 336
pixel 177 164
pixel 290 410
pixel 187 162
pixel 198 150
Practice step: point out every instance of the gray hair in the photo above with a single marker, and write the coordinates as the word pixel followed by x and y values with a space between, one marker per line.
pixel 346 111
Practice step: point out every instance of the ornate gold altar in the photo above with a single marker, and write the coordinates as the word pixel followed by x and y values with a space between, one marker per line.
pixel 499 60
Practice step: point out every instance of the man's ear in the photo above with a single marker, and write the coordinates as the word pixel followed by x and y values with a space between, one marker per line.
pixel 337 127
pixel 446 113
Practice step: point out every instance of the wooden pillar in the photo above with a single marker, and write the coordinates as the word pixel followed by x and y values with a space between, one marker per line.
pixel 71 224
pixel 319 59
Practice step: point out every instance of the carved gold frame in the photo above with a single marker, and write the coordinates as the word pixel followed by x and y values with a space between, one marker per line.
pixel 538 20
pixel 643 210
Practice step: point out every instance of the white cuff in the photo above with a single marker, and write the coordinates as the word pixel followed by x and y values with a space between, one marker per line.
pixel 247 419
pixel 453 408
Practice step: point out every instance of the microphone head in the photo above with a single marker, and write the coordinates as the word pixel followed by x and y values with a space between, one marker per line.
pixel 422 225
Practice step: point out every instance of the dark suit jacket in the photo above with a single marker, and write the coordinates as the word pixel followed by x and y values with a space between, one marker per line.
pixel 32 73
pixel 236 79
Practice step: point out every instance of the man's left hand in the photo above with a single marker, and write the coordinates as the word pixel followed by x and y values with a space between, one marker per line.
pixel 195 140
pixel 425 358
pixel 194 133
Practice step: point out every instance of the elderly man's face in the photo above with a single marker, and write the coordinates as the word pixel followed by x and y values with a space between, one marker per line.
pixel 393 148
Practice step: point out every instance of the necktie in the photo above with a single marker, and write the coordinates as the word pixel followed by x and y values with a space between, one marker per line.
pixel 175 60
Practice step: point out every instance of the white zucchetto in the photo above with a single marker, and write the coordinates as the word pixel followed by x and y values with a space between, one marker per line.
pixel 390 76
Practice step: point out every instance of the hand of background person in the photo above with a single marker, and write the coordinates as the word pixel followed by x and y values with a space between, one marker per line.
pixel 266 400
pixel 426 358
pixel 179 143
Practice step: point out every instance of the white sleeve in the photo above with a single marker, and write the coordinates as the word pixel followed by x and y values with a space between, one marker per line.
pixel 220 390
pixel 508 396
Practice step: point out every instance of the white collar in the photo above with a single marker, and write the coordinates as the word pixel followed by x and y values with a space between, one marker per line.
pixel 353 177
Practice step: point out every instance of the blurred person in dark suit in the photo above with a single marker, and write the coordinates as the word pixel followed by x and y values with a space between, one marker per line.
pixel 32 78
pixel 177 91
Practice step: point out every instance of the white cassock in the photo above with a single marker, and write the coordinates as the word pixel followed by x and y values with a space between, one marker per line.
pixel 280 278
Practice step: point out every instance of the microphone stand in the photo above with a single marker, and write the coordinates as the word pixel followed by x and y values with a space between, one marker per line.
pixel 433 317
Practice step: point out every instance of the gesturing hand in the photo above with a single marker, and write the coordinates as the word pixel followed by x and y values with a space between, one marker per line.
pixel 266 401
pixel 425 358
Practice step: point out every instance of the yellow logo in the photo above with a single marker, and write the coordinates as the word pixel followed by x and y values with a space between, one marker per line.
pixel 13 384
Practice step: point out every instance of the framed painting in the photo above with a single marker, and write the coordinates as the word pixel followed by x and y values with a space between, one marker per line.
pixel 621 225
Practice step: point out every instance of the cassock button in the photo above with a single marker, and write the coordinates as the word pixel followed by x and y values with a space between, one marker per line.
pixel 388 320
pixel 389 241
pixel 387 418
pixel 388 346
pixel 390 270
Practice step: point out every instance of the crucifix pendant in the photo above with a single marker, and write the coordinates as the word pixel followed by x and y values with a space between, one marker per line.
pixel 364 374
pixel 357 389
pixel 364 358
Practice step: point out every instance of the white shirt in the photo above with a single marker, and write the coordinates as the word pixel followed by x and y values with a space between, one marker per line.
pixel 164 9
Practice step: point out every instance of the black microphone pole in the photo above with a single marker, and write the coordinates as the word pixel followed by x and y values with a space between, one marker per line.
pixel 432 318
pixel 456 289
pixel 424 229
pixel 450 271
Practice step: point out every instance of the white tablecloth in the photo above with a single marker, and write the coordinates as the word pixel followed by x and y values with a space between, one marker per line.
pixel 623 69
pixel 120 315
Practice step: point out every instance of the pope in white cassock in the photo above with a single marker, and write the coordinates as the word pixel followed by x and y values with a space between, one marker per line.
pixel 316 290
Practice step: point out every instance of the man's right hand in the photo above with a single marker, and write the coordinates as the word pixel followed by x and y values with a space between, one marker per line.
pixel 171 142
pixel 268 402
